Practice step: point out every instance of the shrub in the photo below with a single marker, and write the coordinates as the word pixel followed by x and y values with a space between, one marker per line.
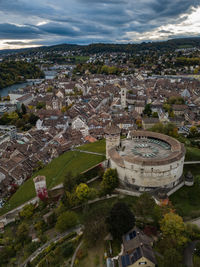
pixel 66 220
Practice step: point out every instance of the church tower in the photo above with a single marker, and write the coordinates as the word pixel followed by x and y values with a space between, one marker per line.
pixel 123 97
pixel 112 135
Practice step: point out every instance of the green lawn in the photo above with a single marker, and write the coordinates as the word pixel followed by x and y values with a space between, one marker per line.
pixel 99 147
pixel 187 199
pixel 79 59
pixel 192 153
pixel 76 162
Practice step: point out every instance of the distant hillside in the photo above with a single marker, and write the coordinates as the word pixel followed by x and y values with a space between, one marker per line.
pixel 16 71
pixel 169 45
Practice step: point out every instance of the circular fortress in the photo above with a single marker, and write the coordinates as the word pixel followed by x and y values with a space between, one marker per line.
pixel 145 160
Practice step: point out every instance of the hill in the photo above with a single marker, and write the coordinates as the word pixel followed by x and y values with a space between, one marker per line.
pixel 12 72
pixel 169 45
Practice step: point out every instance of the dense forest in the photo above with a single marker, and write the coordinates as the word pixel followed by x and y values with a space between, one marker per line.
pixel 12 72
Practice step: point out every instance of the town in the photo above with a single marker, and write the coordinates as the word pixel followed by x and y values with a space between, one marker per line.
pixel 72 129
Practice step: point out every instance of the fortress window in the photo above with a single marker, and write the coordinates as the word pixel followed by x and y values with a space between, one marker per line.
pixel 152 169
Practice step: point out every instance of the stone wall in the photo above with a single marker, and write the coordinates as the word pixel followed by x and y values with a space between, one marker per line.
pixel 150 176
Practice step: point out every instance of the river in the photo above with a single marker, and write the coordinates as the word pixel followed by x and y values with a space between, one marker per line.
pixel 15 87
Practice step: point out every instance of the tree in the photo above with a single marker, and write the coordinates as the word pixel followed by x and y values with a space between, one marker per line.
pixel 139 123
pixel 69 182
pixel 95 227
pixel 27 211
pixel 120 220
pixel 33 119
pixel 155 115
pixel 172 258
pixel 64 109
pixel 82 191
pixel 146 207
pixel 193 130
pixel 147 110
pixel 22 233
pixel 41 105
pixel 171 114
pixel 173 227
pixel 168 129
pixel 176 100
pixel 167 107
pixel 23 108
pixel 66 220
pixel 110 181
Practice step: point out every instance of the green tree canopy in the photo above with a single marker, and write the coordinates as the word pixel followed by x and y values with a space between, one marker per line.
pixel 110 181
pixel 69 182
pixel 27 211
pixel 172 258
pixel 82 191
pixel 155 114
pixel 23 108
pixel 147 110
pixel 66 220
pixel 146 207
pixel 173 227
pixel 120 220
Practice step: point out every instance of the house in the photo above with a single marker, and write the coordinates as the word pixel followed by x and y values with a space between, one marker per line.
pixel 179 110
pixel 149 122
pixel 24 99
pixel 178 121
pixel 54 104
pixel 139 107
pixel 137 250
pixel 78 123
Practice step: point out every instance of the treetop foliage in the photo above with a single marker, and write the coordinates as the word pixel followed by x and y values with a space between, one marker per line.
pixel 120 220
pixel 12 72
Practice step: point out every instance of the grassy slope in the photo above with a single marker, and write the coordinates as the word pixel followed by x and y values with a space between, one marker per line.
pixel 193 153
pixel 76 162
pixel 99 147
pixel 187 199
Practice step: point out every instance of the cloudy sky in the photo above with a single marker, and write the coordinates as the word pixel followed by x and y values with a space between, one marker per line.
pixel 25 23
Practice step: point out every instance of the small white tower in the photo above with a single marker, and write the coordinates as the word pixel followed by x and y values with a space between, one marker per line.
pixel 112 135
pixel 123 97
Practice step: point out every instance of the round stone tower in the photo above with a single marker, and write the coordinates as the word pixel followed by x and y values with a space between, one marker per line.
pixel 112 135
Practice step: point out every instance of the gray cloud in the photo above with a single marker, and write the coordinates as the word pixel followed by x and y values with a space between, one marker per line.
pixel 84 21
pixel 11 31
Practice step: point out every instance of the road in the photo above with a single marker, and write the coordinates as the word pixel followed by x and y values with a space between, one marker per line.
pixel 74 256
pixel 191 162
pixel 55 239
pixel 88 152
pixel 188 254
pixel 97 200
pixel 195 221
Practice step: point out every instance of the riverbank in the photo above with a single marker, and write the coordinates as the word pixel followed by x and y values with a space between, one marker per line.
pixel 15 87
